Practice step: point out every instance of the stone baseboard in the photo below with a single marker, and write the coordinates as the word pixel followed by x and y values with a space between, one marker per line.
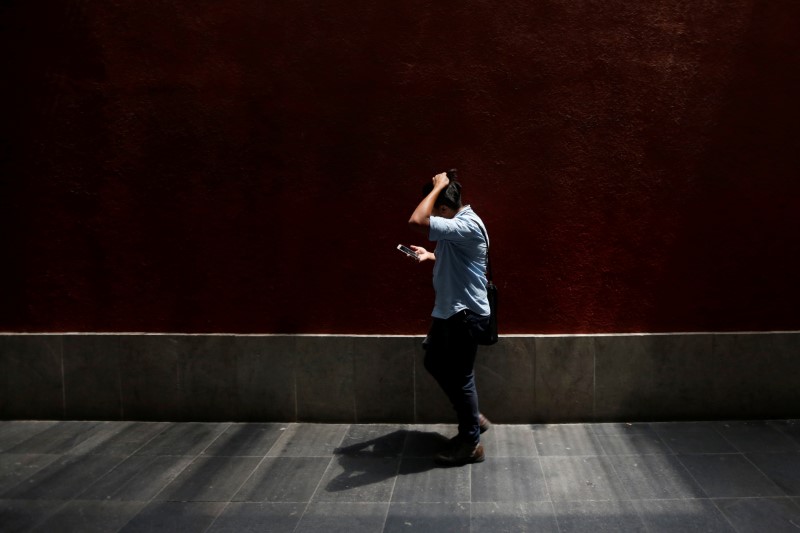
pixel 370 379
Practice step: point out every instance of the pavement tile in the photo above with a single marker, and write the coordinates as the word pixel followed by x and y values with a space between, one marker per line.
pixel 782 468
pixel 509 479
pixel 566 440
pixel 309 440
pixel 63 478
pixel 421 480
pixel 633 444
pixel 518 517
pixel 428 517
pixel 790 428
pixel 427 441
pixel 582 478
pixel 759 515
pixel 358 479
pixel 15 468
pixel 655 477
pixel 246 440
pixel 757 436
pixel 22 515
pixel 620 428
pixel 330 517
pixel 118 438
pixel 210 479
pixel 729 476
pixel 594 516
pixel 680 516
pixel 58 438
pixel 170 517
pixel 374 440
pixel 89 517
pixel 189 438
pixel 660 427
pixel 687 438
pixel 13 432
pixel 284 479
pixel 264 517
pixel 138 478
pixel 509 441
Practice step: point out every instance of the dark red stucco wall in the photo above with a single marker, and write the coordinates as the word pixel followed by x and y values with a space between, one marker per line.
pixel 249 166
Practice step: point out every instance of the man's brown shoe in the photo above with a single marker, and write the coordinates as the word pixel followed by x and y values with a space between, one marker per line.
pixel 461 454
pixel 483 423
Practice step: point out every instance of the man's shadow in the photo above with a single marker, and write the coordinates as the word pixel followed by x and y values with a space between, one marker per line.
pixel 400 452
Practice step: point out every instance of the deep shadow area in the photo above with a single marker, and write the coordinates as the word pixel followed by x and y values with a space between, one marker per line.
pixel 409 443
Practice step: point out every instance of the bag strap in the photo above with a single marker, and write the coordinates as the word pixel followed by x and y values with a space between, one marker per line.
pixel 488 257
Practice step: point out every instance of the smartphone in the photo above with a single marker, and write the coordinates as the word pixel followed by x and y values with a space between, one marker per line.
pixel 408 251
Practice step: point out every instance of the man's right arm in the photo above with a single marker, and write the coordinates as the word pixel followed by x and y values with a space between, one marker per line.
pixel 421 217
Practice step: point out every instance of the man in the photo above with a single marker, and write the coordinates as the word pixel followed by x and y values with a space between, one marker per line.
pixel 459 279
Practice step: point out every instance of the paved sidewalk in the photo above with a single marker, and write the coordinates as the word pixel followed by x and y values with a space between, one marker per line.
pixel 140 476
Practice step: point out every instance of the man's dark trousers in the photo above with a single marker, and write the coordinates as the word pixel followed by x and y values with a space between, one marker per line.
pixel 450 358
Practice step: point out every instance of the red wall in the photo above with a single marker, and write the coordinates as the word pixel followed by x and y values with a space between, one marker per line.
pixel 249 166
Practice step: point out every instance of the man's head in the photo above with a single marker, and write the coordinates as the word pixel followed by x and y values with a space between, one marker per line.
pixel 448 203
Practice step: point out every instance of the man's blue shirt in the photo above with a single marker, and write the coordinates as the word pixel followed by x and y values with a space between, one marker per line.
pixel 459 273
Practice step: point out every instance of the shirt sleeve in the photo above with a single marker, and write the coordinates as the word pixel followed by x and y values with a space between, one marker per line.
pixel 449 229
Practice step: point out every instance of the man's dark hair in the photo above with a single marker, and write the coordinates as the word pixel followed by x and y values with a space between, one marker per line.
pixel 450 195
